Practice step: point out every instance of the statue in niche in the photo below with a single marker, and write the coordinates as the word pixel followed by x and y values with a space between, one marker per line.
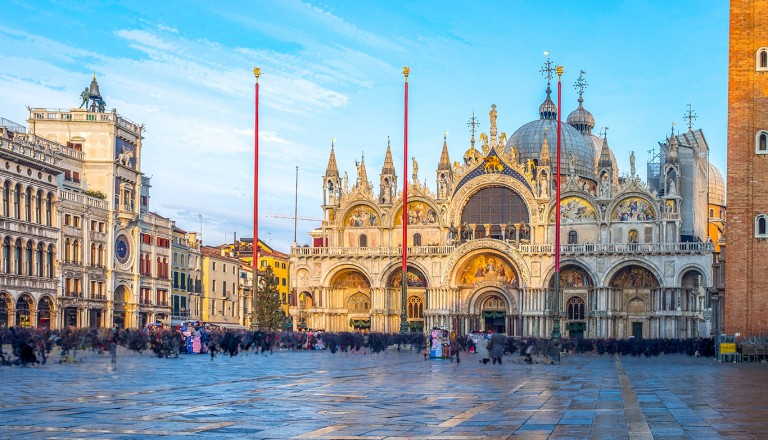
pixel 632 169
pixel 571 164
pixel 346 182
pixel 672 188
pixel 605 186
pixel 415 166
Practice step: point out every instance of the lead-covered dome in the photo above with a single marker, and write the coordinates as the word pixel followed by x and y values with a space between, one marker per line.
pixel 528 139
pixel 716 186
pixel 581 119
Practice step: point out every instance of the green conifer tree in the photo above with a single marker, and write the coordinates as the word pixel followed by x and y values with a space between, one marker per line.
pixel 267 313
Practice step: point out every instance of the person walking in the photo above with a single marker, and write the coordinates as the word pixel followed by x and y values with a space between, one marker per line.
pixel 498 341
pixel 482 348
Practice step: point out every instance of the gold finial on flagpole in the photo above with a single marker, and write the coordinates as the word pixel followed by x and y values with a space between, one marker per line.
pixel 257 73
pixel 559 70
pixel 406 72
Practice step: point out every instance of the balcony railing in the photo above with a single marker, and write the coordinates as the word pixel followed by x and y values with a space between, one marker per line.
pixel 565 249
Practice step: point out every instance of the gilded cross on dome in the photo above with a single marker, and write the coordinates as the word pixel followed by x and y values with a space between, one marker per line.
pixel 581 84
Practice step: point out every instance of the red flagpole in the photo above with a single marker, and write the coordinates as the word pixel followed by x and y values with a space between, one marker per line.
pixel 556 325
pixel 404 282
pixel 255 262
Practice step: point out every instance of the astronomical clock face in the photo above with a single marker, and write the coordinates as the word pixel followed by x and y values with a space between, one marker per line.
pixel 122 249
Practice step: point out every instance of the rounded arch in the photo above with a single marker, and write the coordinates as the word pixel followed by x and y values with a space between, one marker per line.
pixel 474 247
pixel 761 59
pixel 483 266
pixel 360 214
pixel 421 211
pixel 351 276
pixel 483 294
pixel 691 268
pixel 573 274
pixel 6 309
pixel 632 207
pixel 634 274
pixel 45 310
pixel 24 305
pixel 462 196
pixel 574 208
pixel 306 299
pixel 417 274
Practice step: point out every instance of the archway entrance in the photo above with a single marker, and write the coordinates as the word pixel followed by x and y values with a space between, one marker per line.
pixel 44 308
pixel 576 287
pixel 494 313
pixel 120 314
pixel 416 302
pixel 636 285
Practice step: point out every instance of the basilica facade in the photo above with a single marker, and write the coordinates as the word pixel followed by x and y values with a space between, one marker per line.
pixel 635 254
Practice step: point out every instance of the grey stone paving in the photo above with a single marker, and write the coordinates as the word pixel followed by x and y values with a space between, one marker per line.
pixel 394 395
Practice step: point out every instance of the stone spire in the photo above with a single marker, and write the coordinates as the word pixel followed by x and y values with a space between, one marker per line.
pixel 544 158
pixel 445 161
pixel 387 179
pixel 332 170
pixel 605 155
pixel 362 175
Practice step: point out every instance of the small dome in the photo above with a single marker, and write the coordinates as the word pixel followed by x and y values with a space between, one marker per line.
pixel 472 156
pixel 548 109
pixel 716 186
pixel 581 119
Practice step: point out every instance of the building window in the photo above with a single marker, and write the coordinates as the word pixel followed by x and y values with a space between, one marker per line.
pixel 417 239
pixel 363 241
pixel 761 142
pixel 415 308
pixel 284 282
pixel 761 226
pixel 633 236
pixel 573 238
pixel 214 266
pixel 761 59
pixel 575 308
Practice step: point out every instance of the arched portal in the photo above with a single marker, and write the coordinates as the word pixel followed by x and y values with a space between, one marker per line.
pixel 24 311
pixel 44 309
pixel 416 301
pixel 576 287
pixel 634 286
pixel 493 309
pixel 351 291
pixel 120 314
pixel 5 309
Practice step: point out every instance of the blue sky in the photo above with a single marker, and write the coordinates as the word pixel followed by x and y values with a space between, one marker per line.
pixel 332 70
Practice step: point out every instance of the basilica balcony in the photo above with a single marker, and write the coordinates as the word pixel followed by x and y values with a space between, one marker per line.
pixel 370 251
pixel 620 248
pixel 18 227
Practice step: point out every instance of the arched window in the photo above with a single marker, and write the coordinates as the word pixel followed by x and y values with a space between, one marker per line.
pixel 67 251
pixel 575 309
pixel 495 206
pixel 573 238
pixel 28 205
pixel 93 254
pixel 49 209
pixel 159 268
pixel 5 304
pixel 49 261
pixel 417 239
pixel 415 308
pixel 39 260
pixel 761 142
pixel 363 241
pixel 76 251
pixel 761 226
pixel 16 201
pixel 39 207
pixel 101 256
pixel 7 255
pixel 761 59
pixel 17 257
pixel 7 198
pixel 165 268
pixel 28 259
pixel 711 213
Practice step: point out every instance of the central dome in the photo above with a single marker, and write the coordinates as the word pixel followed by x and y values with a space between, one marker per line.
pixel 528 139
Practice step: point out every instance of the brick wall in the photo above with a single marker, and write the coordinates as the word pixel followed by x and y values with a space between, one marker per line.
pixel 746 290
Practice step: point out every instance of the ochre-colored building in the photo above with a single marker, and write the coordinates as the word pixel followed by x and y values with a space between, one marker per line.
pixel 746 286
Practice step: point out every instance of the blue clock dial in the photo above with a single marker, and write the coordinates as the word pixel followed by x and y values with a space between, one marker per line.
pixel 121 249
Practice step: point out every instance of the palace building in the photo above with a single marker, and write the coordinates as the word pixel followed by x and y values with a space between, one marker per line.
pixel 636 258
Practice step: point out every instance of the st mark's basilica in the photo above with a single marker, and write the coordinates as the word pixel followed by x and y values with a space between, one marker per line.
pixel 636 253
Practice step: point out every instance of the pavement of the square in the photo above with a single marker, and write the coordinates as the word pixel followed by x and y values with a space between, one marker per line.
pixel 391 395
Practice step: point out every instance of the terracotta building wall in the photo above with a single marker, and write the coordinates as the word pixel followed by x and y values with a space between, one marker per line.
pixel 746 293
